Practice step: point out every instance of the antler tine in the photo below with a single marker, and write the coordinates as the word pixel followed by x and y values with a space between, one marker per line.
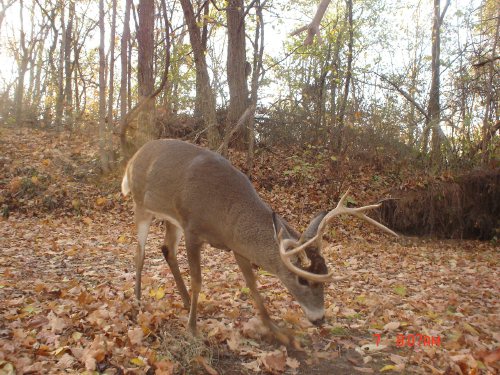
pixel 285 257
pixel 357 211
pixel 339 209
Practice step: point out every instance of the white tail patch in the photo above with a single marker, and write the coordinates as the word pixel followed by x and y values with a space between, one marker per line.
pixel 125 185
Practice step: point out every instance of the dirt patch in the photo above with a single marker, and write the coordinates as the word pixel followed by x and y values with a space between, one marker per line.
pixel 465 207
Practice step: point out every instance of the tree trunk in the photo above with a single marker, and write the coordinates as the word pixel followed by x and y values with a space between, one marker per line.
pixel 124 76
pixel 102 93
pixel 489 95
pixel 258 54
pixel 60 75
pixel 145 40
pixel 111 68
pixel 236 71
pixel 434 109
pixel 208 102
pixel 204 40
pixel 348 75
pixel 22 68
pixel 68 93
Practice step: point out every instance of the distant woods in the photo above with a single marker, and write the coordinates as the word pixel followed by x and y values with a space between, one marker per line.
pixel 419 81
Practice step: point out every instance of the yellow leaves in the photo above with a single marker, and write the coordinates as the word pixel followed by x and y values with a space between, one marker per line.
pixel 138 362
pixel 101 201
pixel 157 293
pixel 87 220
pixel 468 328
pixel 34 180
pixel 75 203
pixel 400 290
pixel 7 368
pixel 292 317
pixel 122 239
pixel 388 368
pixel 46 162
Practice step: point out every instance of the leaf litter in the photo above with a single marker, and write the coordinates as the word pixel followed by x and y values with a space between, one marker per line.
pixel 67 276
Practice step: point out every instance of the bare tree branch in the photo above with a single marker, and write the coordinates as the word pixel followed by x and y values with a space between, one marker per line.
pixel 487 61
pixel 313 27
pixel 441 18
pixel 405 95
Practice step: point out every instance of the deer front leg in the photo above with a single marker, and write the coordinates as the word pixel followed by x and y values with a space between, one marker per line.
pixel 246 268
pixel 193 247
pixel 169 250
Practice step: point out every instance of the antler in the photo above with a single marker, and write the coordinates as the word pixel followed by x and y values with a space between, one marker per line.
pixel 340 209
pixel 285 257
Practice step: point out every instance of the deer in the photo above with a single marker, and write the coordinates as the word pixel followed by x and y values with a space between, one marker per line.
pixel 201 195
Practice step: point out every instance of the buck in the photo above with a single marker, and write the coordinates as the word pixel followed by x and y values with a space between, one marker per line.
pixel 200 194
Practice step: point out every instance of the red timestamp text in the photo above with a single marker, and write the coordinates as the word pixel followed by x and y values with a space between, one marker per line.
pixel 411 340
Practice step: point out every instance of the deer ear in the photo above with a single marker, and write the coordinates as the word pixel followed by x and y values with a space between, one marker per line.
pixel 276 226
pixel 312 228
pixel 280 226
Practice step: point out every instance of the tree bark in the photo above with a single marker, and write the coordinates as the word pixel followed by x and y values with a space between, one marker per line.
pixel 124 75
pixel 60 75
pixel 22 65
pixel 204 41
pixel 208 102
pixel 434 109
pixel 68 93
pixel 111 68
pixel 145 40
pixel 236 72
pixel 258 54
pixel 102 93
pixel 489 94
pixel 348 75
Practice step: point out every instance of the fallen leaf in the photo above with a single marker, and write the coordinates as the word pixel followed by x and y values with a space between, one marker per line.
pixel 274 361
pixel 66 361
pixel 135 336
pixel 391 326
pixel 388 368
pixel 138 362
pixel 370 348
pixel 292 363
pixel 253 366
pixel 57 324
pixel 400 290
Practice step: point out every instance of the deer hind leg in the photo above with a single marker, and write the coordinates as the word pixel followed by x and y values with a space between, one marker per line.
pixel 169 250
pixel 193 247
pixel 142 221
pixel 246 268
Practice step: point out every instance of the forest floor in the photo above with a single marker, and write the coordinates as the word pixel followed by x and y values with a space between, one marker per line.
pixel 67 240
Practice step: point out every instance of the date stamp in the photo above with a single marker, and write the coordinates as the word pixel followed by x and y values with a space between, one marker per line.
pixel 412 340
